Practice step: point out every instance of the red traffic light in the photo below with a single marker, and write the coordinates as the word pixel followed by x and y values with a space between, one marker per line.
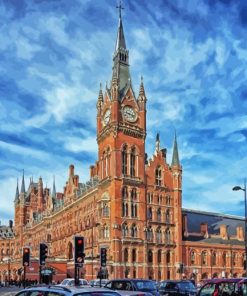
pixel 26 250
pixel 80 242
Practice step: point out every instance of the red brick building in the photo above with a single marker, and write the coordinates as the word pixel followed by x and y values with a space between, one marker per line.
pixel 131 205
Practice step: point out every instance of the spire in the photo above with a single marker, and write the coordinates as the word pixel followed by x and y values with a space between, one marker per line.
pixel 120 69
pixel 175 158
pixel 54 189
pixel 142 90
pixel 157 145
pixel 23 184
pixel 120 42
pixel 17 192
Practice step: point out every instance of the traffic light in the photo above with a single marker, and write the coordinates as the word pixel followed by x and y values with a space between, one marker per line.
pixel 103 257
pixel 79 250
pixel 43 252
pixel 26 254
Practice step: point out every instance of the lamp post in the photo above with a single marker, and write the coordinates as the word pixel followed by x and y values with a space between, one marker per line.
pixel 237 188
pixel 92 238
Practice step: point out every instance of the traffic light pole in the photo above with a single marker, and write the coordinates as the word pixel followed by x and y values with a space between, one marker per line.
pixel 24 277
pixel 40 280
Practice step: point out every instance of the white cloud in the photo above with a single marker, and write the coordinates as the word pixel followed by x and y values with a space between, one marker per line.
pixel 79 145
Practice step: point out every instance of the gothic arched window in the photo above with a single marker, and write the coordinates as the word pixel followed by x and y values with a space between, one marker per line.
pixel 159 235
pixel 150 213
pixel 168 257
pixel 167 216
pixel 134 255
pixel 133 203
pixel 132 162
pixel 150 256
pixel 124 230
pixel 159 256
pixel 124 160
pixel 192 257
pixel 214 258
pixel 158 176
pixel 125 210
pixel 204 258
pixel 126 255
pixel 133 231
pixel 167 235
pixel 159 215
pixel 224 259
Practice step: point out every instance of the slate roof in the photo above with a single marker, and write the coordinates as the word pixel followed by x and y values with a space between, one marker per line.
pixel 6 232
pixel 213 220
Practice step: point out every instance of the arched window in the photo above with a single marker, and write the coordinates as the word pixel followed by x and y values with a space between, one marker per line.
pixel 224 259
pixel 204 258
pixel 234 259
pixel 105 210
pixel 133 231
pixel 158 176
pixel 126 255
pixel 167 235
pixel 125 230
pixel 124 160
pixel 167 216
pixel 159 256
pixel 125 207
pixel 108 162
pixel 134 255
pixel 106 232
pixel 132 162
pixel 150 213
pixel 150 256
pixel 159 235
pixel 168 257
pixel 150 197
pixel 133 203
pixel 192 257
pixel 149 233
pixel 168 200
pixel 159 215
pixel 214 258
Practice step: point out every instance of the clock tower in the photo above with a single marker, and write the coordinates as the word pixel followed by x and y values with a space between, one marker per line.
pixel 121 132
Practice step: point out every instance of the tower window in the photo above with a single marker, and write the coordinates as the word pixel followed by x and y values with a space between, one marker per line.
pixel 124 160
pixel 132 162
pixel 158 176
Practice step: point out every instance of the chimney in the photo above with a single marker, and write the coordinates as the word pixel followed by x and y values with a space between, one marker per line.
pixel 223 231
pixel 71 170
pixel 11 224
pixel 240 233
pixel 91 171
pixel 185 225
pixel 204 229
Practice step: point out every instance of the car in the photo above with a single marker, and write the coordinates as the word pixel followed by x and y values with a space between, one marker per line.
pixel 65 291
pixel 146 286
pixel 177 287
pixel 220 287
pixel 71 282
pixel 96 283
pixel 242 287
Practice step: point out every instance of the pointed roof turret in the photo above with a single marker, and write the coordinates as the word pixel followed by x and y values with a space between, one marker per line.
pixel 120 69
pixel 53 189
pixel 175 157
pixel 157 144
pixel 17 193
pixel 23 184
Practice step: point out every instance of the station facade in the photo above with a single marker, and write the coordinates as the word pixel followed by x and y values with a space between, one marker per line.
pixel 131 205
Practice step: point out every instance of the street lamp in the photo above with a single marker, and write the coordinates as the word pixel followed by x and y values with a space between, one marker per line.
pixel 237 188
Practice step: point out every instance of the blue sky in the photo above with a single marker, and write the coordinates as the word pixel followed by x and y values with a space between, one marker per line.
pixel 192 55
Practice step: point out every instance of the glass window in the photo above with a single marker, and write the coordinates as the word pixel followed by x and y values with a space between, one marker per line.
pixel 207 290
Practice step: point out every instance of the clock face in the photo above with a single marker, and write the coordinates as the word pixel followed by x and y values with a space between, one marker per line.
pixel 107 116
pixel 129 113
